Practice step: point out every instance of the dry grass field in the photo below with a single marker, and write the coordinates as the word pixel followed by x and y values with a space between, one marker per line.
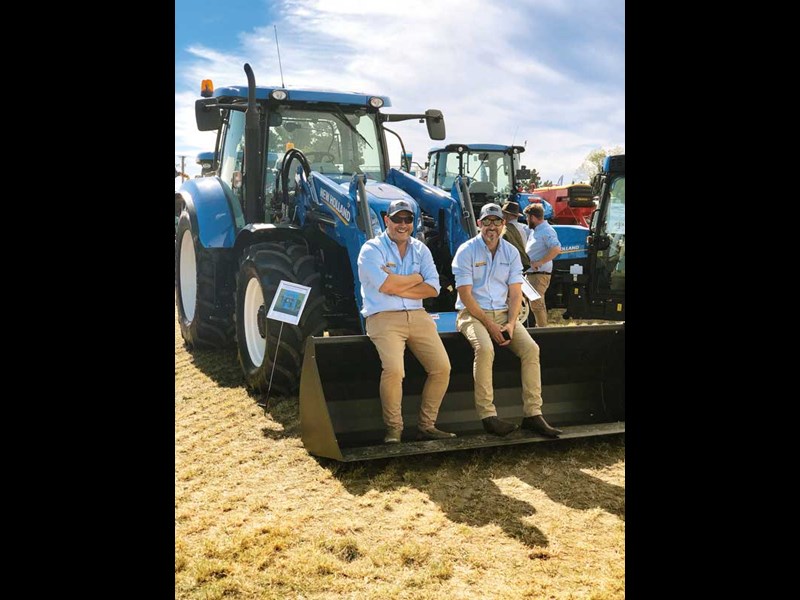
pixel 257 517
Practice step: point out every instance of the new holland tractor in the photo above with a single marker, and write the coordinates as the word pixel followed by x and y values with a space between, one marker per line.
pixel 599 292
pixel 301 183
pixel 493 174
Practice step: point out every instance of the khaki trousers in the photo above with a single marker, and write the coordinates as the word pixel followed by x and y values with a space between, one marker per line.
pixel 521 344
pixel 391 332
pixel 540 282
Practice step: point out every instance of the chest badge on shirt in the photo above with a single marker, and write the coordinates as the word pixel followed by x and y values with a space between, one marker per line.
pixel 481 263
pixel 390 265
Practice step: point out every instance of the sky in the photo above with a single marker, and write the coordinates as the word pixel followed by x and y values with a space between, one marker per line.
pixel 546 74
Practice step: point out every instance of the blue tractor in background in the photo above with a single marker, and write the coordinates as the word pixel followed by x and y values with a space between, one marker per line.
pixel 493 174
pixel 301 182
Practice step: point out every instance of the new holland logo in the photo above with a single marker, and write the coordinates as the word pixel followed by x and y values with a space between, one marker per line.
pixel 337 207
pixel 568 249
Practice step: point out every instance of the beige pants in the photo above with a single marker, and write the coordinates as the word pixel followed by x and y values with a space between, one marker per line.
pixel 391 332
pixel 540 282
pixel 521 344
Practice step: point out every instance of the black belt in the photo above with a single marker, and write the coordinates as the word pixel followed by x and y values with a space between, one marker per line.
pixel 539 273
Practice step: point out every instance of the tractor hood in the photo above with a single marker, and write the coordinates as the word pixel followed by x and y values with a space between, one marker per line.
pixel 381 194
pixel 336 195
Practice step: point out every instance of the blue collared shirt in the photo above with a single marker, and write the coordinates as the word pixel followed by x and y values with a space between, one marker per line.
pixel 542 239
pixel 382 251
pixel 489 276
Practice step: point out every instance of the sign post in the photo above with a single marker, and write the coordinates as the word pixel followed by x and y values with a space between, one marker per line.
pixel 287 307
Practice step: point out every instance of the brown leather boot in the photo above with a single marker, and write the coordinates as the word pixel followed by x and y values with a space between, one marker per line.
pixel 539 425
pixel 498 426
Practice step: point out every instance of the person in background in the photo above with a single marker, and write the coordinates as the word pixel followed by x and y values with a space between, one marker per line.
pixel 488 273
pixel 515 232
pixel 397 272
pixel 542 247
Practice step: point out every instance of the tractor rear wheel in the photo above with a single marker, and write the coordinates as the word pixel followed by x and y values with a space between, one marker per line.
pixel 261 355
pixel 204 313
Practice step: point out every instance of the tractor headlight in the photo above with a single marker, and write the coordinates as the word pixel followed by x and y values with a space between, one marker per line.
pixel 375 222
pixel 278 94
pixel 376 102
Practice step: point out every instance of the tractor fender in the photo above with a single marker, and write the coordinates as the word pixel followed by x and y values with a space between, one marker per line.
pixel 255 233
pixel 213 209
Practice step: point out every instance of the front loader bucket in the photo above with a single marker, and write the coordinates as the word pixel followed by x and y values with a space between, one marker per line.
pixel 583 391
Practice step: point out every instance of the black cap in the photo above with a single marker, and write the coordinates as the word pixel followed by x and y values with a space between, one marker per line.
pixel 397 206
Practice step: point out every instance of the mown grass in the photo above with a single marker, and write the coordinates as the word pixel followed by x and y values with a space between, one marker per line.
pixel 257 517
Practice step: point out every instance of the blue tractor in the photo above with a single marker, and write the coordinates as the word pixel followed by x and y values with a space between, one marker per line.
pixel 493 174
pixel 302 181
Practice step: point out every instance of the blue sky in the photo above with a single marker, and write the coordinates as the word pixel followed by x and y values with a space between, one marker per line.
pixel 547 72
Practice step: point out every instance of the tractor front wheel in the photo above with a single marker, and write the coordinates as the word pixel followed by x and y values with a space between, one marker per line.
pixel 270 352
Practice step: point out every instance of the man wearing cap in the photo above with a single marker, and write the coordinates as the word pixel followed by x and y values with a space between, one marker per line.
pixel 397 272
pixel 542 247
pixel 515 232
pixel 488 273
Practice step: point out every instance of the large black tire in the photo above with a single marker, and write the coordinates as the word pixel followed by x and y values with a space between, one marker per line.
pixel 205 312
pixel 261 270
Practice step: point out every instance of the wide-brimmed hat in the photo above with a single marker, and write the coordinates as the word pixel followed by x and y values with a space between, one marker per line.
pixel 511 208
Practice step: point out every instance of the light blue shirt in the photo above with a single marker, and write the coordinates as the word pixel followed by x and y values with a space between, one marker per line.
pixel 489 276
pixel 542 239
pixel 382 251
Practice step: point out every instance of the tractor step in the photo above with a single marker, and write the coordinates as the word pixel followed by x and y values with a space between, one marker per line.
pixel 476 440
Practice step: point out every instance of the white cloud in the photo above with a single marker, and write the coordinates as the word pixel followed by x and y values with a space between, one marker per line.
pixel 549 72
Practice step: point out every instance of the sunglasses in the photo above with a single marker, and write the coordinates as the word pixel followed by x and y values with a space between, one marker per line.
pixel 491 222
pixel 399 219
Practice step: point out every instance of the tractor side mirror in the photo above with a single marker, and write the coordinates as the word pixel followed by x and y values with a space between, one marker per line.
pixel 435 122
pixel 523 173
pixel 208 118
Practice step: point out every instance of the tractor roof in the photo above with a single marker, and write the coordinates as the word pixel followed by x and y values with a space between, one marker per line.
pixel 475 148
pixel 262 93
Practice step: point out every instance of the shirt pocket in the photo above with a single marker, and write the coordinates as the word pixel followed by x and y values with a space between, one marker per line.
pixel 502 270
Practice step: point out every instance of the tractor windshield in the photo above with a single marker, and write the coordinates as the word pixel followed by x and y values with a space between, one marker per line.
pixel 490 167
pixel 336 143
pixel 489 172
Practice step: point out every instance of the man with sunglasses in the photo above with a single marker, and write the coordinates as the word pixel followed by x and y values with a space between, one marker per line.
pixel 397 272
pixel 488 273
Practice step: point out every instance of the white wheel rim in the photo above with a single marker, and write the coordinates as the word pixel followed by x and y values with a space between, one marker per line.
pixel 253 300
pixel 188 275
pixel 524 310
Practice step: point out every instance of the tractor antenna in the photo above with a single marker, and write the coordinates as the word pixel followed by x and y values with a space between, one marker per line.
pixel 513 137
pixel 279 54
